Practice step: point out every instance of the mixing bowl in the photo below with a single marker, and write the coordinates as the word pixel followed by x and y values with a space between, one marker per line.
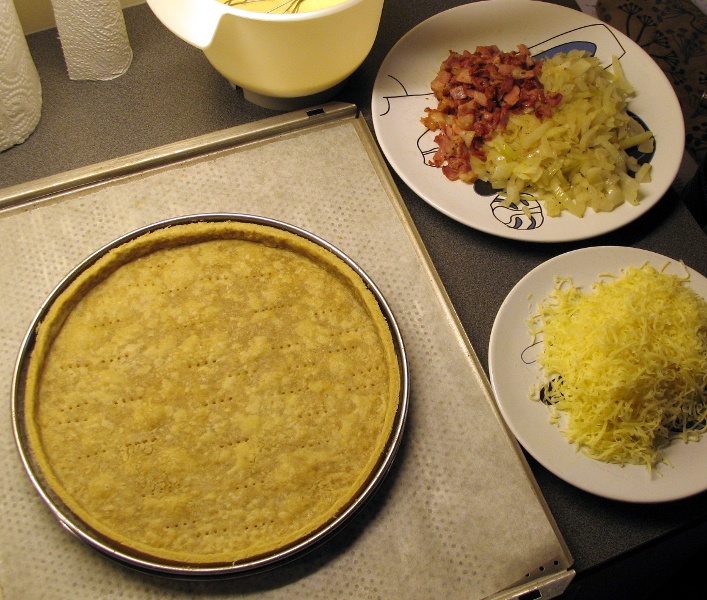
pixel 281 61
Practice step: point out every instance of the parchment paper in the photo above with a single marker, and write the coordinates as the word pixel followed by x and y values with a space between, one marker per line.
pixel 457 517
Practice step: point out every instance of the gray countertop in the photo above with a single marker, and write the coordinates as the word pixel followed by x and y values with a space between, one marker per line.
pixel 172 93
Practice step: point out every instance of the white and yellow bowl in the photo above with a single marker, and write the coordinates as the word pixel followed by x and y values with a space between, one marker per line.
pixel 279 60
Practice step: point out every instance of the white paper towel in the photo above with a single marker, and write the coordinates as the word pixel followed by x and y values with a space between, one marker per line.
pixel 20 88
pixel 93 38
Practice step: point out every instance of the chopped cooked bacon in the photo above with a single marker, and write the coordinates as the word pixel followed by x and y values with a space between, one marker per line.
pixel 458 93
pixel 476 94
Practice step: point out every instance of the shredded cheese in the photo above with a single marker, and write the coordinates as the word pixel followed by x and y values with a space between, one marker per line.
pixel 625 364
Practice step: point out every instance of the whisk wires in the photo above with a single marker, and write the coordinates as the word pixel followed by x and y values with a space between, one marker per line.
pixel 287 6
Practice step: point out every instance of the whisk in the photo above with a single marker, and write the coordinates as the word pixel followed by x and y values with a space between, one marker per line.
pixel 286 6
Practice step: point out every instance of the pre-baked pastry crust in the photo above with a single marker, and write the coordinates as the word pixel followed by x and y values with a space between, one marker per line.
pixel 211 392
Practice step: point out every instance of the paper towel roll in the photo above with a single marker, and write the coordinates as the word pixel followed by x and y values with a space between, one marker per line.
pixel 20 88
pixel 93 38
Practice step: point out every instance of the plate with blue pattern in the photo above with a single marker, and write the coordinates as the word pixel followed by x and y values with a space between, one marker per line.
pixel 402 92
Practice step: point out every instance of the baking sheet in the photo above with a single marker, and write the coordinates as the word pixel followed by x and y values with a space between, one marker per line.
pixel 459 515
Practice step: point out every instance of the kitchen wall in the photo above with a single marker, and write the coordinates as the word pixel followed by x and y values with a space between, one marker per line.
pixel 36 15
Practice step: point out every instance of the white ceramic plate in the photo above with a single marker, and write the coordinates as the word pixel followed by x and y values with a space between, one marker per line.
pixel 402 91
pixel 513 372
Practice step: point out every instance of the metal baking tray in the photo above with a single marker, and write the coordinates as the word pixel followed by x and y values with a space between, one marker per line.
pixel 459 514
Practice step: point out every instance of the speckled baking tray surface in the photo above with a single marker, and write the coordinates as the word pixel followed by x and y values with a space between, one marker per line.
pixel 458 514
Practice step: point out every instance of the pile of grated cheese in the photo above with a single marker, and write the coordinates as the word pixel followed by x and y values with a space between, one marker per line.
pixel 575 159
pixel 625 364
